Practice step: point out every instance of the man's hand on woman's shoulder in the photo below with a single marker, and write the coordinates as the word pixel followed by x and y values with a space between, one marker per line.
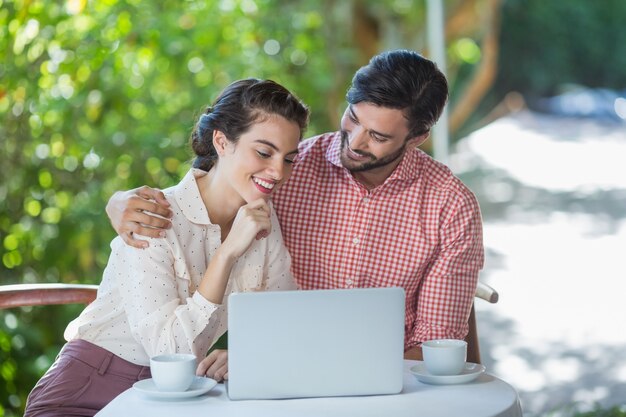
pixel 137 211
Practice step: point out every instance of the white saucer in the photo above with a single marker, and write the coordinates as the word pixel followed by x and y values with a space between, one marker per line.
pixel 199 386
pixel 469 373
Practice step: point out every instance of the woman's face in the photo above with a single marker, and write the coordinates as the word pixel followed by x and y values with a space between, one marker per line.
pixel 262 159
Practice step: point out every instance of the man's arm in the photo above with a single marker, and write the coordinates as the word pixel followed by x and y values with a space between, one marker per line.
pixel 414 353
pixel 446 294
pixel 133 212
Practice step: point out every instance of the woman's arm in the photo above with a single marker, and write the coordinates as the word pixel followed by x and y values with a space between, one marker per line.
pixel 277 277
pixel 165 315
pixel 251 222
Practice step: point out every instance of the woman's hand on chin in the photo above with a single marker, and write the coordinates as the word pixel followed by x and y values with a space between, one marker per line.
pixel 252 222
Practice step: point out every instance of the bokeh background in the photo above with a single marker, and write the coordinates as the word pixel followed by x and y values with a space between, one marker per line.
pixel 98 96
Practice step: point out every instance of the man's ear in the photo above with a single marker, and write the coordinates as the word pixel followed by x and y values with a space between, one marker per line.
pixel 417 140
pixel 219 142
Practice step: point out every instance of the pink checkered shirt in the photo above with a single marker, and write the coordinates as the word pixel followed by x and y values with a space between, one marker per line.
pixel 420 230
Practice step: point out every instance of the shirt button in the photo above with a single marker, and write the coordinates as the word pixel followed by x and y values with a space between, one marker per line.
pixel 366 199
pixel 349 282
pixel 356 240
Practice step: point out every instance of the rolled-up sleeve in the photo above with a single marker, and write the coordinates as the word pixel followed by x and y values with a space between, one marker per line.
pixel 447 291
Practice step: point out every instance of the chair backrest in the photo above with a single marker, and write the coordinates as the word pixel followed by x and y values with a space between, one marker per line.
pixel 21 295
pixel 490 295
pixel 473 345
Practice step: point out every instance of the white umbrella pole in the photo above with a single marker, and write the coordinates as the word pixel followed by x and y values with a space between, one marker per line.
pixel 435 23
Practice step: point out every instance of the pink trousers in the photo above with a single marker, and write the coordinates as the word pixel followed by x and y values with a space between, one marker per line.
pixel 83 379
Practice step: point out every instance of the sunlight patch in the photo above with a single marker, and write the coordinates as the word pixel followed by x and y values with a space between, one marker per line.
pixel 553 153
pixel 519 373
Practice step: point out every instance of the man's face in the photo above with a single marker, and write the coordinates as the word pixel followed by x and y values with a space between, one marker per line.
pixel 373 139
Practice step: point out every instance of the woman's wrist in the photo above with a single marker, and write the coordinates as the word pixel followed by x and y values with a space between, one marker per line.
pixel 213 284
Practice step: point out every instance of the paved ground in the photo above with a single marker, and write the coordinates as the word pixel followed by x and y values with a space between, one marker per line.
pixel 553 196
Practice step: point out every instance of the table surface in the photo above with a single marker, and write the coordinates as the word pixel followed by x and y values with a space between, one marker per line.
pixel 485 396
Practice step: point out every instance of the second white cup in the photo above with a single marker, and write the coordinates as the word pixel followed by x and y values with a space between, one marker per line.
pixel 444 356
pixel 173 371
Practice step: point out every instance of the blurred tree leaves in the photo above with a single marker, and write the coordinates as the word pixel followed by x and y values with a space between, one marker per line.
pixel 97 96
pixel 554 43
pixel 101 96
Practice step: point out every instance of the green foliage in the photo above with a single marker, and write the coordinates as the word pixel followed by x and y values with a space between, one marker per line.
pixel 573 410
pixel 27 349
pixel 545 44
pixel 101 96
pixel 609 412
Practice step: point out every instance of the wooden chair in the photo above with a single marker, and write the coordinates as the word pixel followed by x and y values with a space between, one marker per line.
pixel 490 295
pixel 20 295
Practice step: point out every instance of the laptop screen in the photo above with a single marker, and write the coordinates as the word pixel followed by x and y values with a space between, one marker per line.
pixel 316 343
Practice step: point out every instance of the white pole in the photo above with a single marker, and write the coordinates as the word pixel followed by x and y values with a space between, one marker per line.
pixel 436 45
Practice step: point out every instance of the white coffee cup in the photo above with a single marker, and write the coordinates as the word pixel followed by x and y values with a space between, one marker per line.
pixel 444 356
pixel 173 371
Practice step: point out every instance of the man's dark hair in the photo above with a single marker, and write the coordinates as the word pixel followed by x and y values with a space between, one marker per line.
pixel 403 80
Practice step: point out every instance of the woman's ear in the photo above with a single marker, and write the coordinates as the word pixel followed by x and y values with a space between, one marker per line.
pixel 219 142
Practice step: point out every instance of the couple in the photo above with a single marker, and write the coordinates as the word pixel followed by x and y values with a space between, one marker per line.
pixel 363 208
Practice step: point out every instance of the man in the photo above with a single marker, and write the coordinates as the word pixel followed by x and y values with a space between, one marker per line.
pixel 365 208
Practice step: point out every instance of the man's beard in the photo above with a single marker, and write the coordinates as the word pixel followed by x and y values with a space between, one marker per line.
pixel 373 163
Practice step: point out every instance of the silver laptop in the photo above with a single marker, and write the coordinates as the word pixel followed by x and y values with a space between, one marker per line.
pixel 316 343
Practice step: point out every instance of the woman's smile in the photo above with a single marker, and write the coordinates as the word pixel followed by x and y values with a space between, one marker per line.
pixel 265 186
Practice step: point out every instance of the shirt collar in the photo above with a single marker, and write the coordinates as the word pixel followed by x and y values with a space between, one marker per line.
pixel 189 199
pixel 408 169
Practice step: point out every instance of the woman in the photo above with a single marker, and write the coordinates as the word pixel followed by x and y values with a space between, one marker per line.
pixel 171 297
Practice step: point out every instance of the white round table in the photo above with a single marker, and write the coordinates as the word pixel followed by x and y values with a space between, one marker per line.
pixel 487 396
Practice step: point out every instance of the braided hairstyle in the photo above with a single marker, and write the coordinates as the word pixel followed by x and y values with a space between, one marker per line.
pixel 237 108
